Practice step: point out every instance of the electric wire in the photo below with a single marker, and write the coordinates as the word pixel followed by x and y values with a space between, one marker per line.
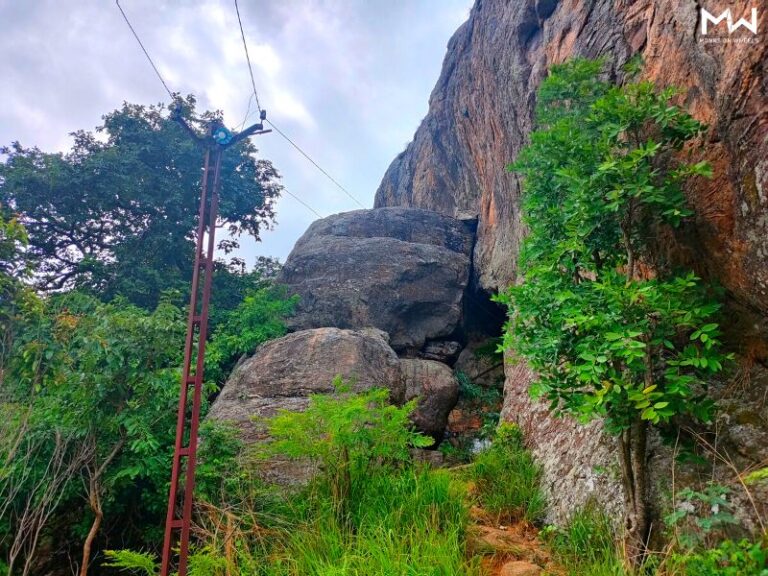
pixel 307 156
pixel 247 114
pixel 300 201
pixel 135 35
pixel 280 132
pixel 247 56
pixel 250 100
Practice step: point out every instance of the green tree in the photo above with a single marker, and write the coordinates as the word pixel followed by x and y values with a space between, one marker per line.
pixel 609 336
pixel 116 215
pixel 14 268
pixel 258 318
pixel 96 386
pixel 88 400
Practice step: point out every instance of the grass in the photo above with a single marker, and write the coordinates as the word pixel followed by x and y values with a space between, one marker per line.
pixel 408 522
pixel 586 545
pixel 507 479
pixel 411 522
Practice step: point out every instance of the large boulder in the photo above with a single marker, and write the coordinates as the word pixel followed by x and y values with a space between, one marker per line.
pixel 283 373
pixel 401 270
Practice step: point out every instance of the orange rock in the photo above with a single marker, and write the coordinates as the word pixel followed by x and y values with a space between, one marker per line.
pixel 519 568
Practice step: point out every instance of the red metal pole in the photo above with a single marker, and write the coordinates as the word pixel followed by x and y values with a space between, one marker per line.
pixel 197 324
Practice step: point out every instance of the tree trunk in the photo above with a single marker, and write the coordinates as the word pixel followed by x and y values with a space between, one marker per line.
pixel 94 499
pixel 634 468
pixel 98 516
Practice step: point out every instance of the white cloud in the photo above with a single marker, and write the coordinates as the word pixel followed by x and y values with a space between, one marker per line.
pixel 348 81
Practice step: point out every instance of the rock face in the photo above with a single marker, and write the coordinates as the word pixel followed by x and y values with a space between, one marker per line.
pixel 481 112
pixel 437 389
pixel 403 271
pixel 283 373
pixel 578 461
pixel 480 116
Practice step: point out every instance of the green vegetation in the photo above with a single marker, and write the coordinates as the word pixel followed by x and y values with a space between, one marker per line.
pixel 89 373
pixel 730 558
pixel 351 437
pixel 369 512
pixel 507 479
pixel 586 545
pixel 115 215
pixel 608 337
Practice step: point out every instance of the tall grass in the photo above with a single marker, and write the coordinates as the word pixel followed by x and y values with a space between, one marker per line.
pixel 586 545
pixel 507 478
pixel 409 522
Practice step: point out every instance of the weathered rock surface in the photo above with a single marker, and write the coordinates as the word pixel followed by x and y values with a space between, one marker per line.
pixel 437 389
pixel 446 351
pixel 401 270
pixel 480 116
pixel 578 461
pixel 481 368
pixel 519 568
pixel 283 373
pixel 481 112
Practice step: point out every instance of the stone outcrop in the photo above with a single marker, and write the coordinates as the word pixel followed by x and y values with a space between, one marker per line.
pixel 481 367
pixel 403 271
pixel 435 386
pixel 283 373
pixel 578 462
pixel 481 112
pixel 480 116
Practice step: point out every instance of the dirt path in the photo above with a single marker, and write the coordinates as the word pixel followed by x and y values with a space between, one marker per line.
pixel 513 550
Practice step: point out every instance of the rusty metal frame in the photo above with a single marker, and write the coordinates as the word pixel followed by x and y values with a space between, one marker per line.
pixel 187 425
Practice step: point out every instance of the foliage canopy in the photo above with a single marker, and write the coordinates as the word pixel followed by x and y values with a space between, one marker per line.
pixel 116 214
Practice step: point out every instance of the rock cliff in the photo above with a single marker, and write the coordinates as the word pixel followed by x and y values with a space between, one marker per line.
pixel 481 112
pixel 480 116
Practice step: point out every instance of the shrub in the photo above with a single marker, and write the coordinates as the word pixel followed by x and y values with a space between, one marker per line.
pixel 730 558
pixel 350 436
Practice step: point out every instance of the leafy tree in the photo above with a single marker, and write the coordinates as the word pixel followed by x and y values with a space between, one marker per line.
pixel 609 336
pixel 116 215
pixel 99 383
pixel 258 318
pixel 88 400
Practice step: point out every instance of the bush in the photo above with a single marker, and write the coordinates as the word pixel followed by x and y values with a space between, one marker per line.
pixel 351 437
pixel 507 478
pixel 730 558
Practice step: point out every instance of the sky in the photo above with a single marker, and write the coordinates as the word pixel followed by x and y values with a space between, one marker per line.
pixel 348 80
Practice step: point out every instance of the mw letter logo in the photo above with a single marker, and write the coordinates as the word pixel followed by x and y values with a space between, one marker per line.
pixel 706 18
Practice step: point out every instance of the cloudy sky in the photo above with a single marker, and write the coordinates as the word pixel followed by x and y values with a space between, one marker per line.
pixel 348 80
